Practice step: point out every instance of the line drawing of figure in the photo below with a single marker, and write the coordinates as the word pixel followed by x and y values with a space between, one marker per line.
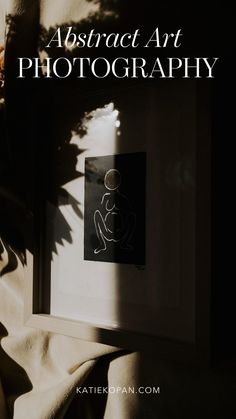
pixel 115 222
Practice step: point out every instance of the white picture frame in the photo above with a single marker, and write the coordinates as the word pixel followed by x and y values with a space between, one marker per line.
pixel 180 327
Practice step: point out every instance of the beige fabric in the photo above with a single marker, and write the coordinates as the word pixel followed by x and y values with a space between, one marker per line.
pixel 48 366
pixel 40 372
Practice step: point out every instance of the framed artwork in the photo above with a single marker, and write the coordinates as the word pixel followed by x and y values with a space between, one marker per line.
pixel 122 254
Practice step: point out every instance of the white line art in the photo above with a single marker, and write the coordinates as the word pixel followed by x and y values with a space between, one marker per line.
pixel 114 222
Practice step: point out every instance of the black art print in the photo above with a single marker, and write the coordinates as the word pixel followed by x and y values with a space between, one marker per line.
pixel 114 223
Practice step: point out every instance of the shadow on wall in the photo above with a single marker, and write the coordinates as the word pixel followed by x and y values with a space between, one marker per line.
pixel 37 125
pixel 42 113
